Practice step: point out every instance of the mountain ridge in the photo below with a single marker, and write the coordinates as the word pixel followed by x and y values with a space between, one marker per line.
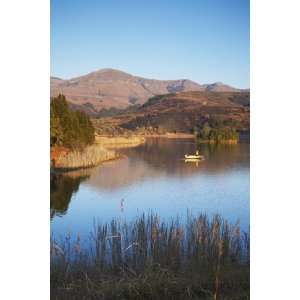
pixel 111 88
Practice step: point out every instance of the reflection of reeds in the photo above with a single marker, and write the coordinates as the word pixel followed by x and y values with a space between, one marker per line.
pixel 203 258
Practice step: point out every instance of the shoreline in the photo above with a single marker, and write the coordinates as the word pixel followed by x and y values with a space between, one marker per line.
pixel 119 142
pixel 61 170
pixel 64 160
pixel 222 142
pixel 103 150
pixel 170 135
pixel 138 138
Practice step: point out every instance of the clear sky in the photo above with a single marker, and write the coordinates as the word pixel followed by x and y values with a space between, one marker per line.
pixel 202 40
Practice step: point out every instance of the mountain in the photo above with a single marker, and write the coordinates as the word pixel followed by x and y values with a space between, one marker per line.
pixel 220 87
pixel 182 112
pixel 108 88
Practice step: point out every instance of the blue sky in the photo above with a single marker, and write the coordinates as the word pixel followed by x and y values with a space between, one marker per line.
pixel 203 40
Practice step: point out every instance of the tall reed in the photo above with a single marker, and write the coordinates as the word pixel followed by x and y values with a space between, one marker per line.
pixel 210 251
pixel 88 157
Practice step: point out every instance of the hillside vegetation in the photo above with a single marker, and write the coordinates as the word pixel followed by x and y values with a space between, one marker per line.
pixel 182 112
pixel 217 134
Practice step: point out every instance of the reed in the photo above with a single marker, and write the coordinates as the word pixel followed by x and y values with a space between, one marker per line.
pixel 149 258
pixel 88 157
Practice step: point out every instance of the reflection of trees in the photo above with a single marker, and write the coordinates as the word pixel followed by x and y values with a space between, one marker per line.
pixel 160 157
pixel 166 155
pixel 62 188
pixel 221 157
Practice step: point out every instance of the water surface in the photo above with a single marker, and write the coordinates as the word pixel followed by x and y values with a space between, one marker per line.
pixel 154 177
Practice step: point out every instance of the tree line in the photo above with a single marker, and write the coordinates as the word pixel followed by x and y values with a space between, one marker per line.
pixel 216 134
pixel 72 129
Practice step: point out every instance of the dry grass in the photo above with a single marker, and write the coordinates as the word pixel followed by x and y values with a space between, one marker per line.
pixel 150 259
pixel 88 157
pixel 120 141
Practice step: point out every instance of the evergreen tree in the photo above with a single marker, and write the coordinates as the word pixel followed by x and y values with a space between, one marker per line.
pixel 68 128
pixel 217 134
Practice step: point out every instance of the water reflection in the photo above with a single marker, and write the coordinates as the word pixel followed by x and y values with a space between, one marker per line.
pixel 62 187
pixel 164 154
pixel 162 157
pixel 155 177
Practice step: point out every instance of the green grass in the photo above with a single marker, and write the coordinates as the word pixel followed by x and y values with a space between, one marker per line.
pixel 151 259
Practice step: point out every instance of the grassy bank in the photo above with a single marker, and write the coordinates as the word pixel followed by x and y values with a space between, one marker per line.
pixel 102 150
pixel 201 258
pixel 120 141
pixel 89 156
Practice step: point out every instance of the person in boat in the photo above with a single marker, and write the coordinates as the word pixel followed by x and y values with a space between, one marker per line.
pixel 193 156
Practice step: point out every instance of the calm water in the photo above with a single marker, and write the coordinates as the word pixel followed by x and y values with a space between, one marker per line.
pixel 153 177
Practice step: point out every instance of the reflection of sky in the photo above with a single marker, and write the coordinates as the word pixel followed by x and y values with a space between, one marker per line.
pixel 226 193
pixel 154 178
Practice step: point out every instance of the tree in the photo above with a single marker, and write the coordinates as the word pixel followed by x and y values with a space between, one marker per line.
pixel 68 128
pixel 56 134
pixel 205 131
pixel 217 134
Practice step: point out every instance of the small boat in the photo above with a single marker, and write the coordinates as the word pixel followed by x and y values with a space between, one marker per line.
pixel 194 156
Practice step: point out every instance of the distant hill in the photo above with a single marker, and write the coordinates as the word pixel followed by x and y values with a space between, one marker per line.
pixel 183 111
pixel 108 88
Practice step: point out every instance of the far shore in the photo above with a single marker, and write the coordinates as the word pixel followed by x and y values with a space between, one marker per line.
pixel 118 142
pixel 170 135
pixel 223 142
pixel 139 138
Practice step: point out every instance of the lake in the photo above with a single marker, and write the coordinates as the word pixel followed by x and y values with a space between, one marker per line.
pixel 154 178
